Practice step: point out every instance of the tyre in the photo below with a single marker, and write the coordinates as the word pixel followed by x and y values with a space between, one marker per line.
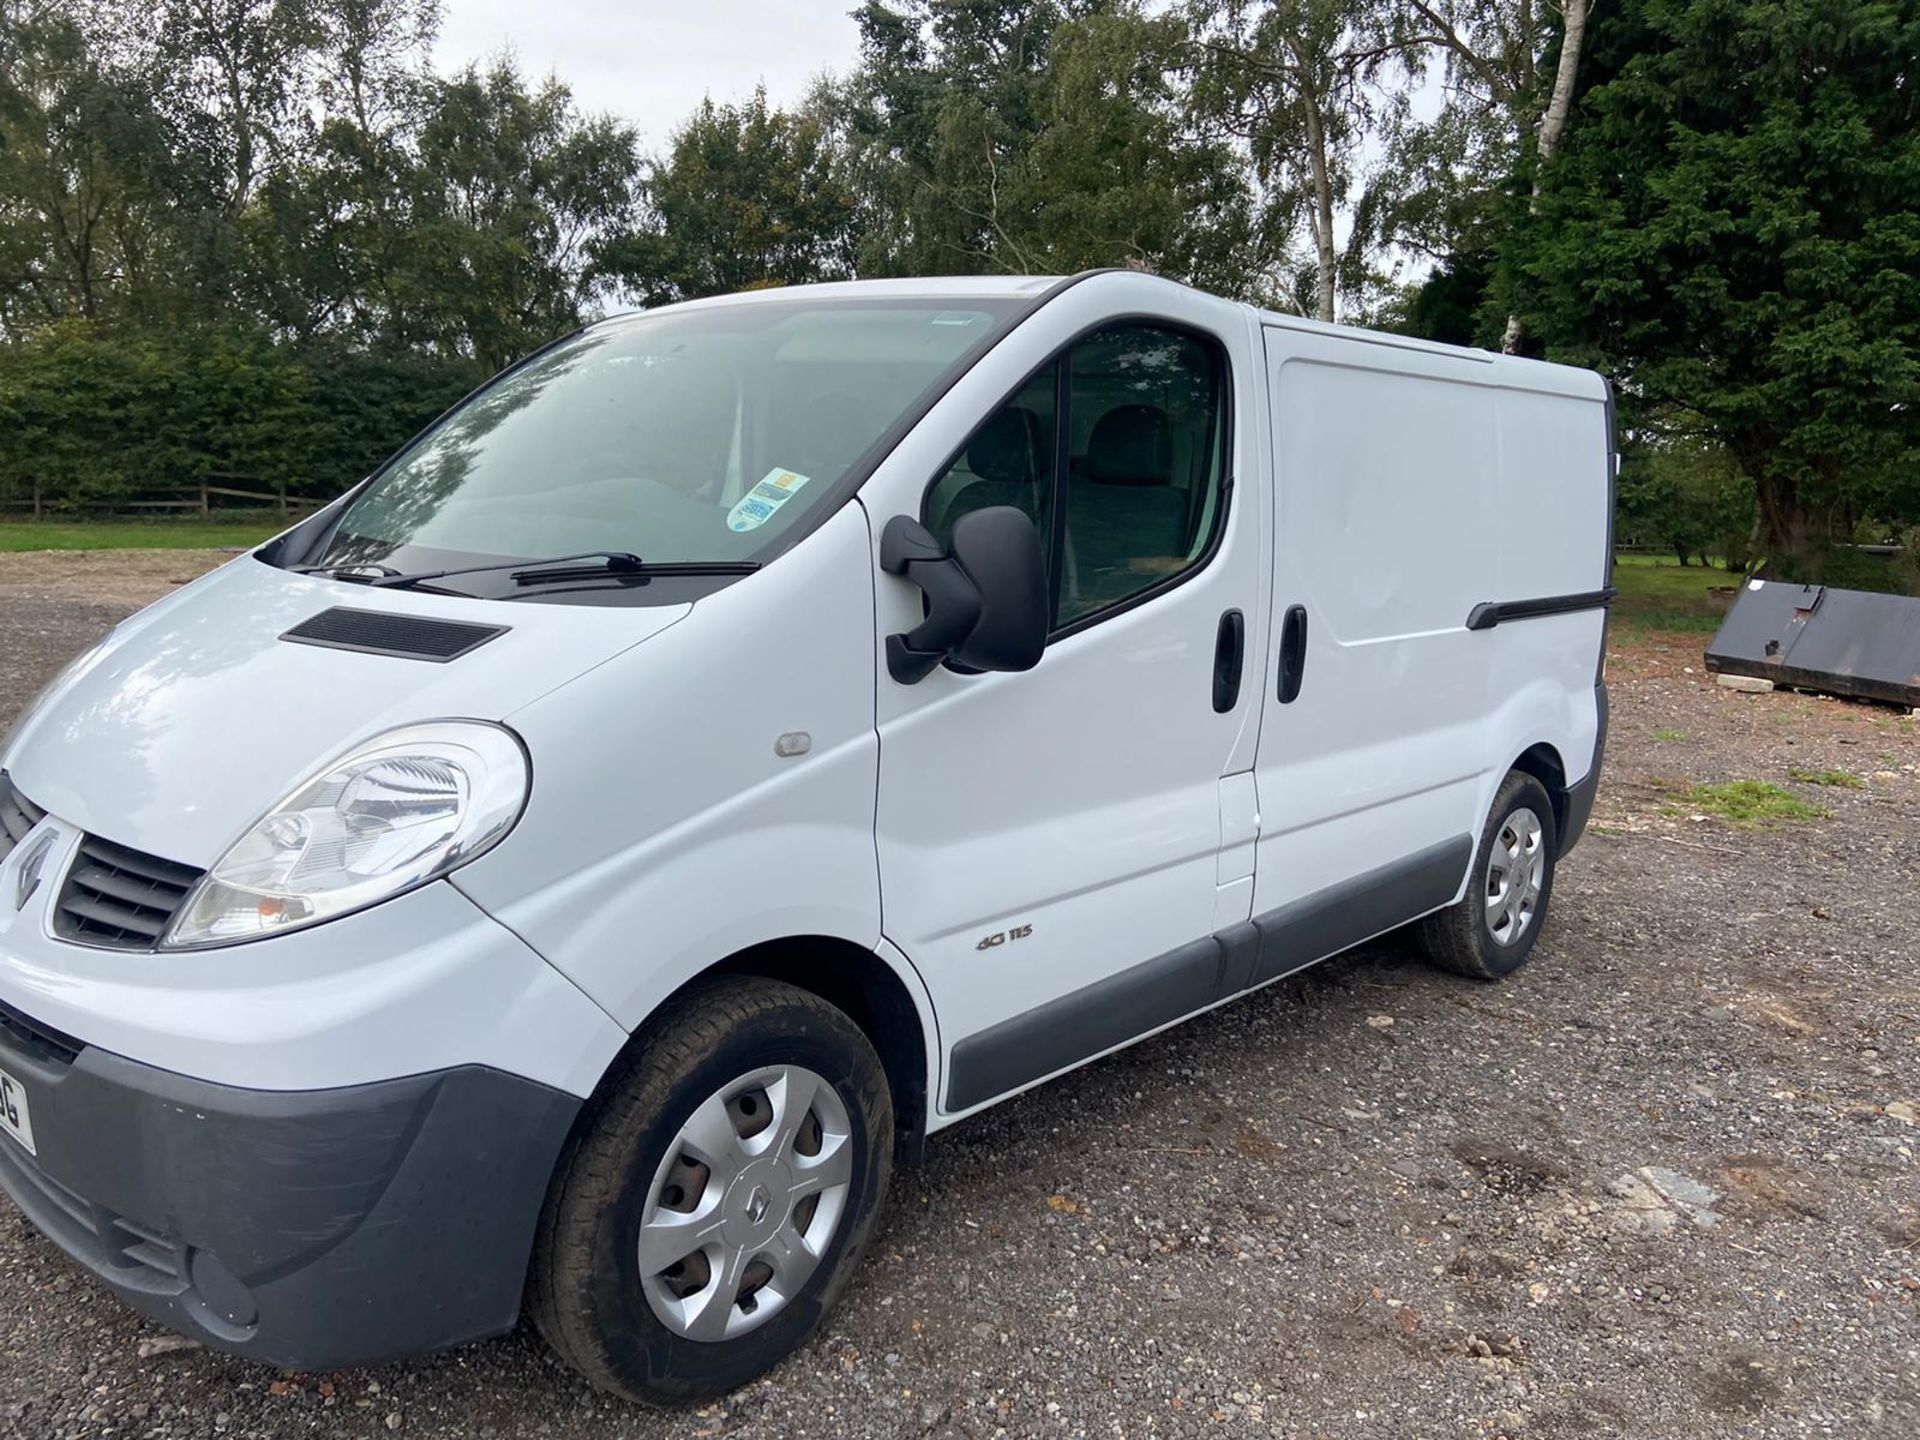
pixel 715 1201
pixel 1491 931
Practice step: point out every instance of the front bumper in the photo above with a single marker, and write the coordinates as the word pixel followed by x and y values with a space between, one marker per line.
pixel 308 1229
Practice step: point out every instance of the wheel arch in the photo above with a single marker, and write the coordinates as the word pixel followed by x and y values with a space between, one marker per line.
pixel 1542 761
pixel 858 981
pixel 873 994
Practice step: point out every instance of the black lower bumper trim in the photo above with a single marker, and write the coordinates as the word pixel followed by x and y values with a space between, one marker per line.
pixel 1580 795
pixel 307 1229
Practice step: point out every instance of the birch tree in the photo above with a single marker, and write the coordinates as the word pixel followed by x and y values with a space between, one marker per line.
pixel 1298 82
pixel 1497 118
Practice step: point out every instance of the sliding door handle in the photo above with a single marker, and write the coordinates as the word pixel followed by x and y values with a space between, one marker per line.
pixel 1293 653
pixel 1229 657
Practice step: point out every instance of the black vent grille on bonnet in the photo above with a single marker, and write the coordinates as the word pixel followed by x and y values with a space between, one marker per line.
pixel 406 637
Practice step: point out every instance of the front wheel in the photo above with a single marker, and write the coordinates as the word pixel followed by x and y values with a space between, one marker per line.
pixel 1491 930
pixel 719 1196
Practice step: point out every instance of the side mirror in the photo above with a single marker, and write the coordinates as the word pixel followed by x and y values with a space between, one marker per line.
pixel 987 597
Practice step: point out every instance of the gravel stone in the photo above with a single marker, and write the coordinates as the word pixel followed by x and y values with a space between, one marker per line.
pixel 1687 1021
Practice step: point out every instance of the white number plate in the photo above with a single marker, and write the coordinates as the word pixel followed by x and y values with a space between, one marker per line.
pixel 14 1119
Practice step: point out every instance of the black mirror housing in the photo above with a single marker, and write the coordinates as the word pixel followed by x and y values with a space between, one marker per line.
pixel 987 597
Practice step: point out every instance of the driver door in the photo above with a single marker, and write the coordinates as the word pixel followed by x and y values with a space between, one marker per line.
pixel 1051 842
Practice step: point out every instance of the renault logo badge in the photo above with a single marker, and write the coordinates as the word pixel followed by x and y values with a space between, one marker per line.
pixel 26 879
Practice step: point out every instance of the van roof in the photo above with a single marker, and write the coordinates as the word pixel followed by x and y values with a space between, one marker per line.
pixel 944 287
pixel 1514 370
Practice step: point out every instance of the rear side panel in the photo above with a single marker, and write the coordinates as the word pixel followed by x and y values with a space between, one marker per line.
pixel 1387 528
pixel 1555 498
pixel 1442 522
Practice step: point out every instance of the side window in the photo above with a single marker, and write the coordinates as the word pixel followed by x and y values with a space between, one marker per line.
pixel 1143 493
pixel 1143 430
pixel 1008 461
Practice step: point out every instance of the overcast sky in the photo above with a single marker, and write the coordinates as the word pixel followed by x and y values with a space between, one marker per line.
pixel 650 61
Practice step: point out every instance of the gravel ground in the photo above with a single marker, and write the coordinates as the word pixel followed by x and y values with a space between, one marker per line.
pixel 1661 1184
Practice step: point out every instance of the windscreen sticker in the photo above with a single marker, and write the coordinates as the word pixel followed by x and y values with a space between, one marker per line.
pixel 758 505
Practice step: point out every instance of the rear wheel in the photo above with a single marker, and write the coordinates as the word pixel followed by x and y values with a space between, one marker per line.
pixel 717 1201
pixel 1491 931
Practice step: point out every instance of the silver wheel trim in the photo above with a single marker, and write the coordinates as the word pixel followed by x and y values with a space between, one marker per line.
pixel 1516 871
pixel 766 1212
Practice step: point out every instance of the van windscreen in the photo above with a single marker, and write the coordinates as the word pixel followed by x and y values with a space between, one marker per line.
pixel 708 434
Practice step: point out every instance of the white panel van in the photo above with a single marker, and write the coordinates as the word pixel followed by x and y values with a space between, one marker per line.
pixel 741 740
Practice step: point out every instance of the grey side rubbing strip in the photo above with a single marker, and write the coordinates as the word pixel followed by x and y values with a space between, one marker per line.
pixel 1062 1032
pixel 1125 1006
pixel 1341 916
pixel 1489 613
pixel 1240 945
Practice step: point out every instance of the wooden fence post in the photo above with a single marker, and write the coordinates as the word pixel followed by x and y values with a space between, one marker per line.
pixel 206 501
pixel 36 497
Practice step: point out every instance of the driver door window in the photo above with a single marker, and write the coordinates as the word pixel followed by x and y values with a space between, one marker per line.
pixel 1139 427
pixel 1007 461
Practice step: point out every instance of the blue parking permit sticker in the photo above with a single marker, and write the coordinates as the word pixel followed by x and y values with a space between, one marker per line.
pixel 749 514
pixel 758 505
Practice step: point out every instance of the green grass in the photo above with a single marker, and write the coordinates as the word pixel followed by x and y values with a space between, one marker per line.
pixel 1753 803
pixel 18 535
pixel 1657 593
pixel 1844 779
pixel 1664 734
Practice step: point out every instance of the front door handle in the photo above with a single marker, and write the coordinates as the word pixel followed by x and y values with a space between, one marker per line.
pixel 1293 653
pixel 1229 657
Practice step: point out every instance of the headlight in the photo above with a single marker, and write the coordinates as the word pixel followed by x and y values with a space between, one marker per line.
pixel 402 809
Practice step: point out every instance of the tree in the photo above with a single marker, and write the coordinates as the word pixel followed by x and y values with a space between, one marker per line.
pixel 1733 228
pixel 746 196
pixel 1039 136
pixel 515 203
pixel 259 237
pixel 1298 81
pixel 328 236
pixel 1682 491
pixel 237 70
pixel 1119 177
pixel 1453 180
pixel 86 162
pixel 946 104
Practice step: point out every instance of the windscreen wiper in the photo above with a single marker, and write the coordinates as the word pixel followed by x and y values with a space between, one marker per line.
pixel 350 570
pixel 619 564
pixel 642 570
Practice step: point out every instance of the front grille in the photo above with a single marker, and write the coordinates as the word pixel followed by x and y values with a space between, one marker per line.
pixel 120 898
pixel 18 815
pixel 36 1039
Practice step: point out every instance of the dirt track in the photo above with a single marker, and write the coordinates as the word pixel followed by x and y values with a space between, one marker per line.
pixel 1661 1184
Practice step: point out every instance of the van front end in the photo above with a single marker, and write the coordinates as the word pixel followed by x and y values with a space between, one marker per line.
pixel 317 1149
pixel 265 1071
